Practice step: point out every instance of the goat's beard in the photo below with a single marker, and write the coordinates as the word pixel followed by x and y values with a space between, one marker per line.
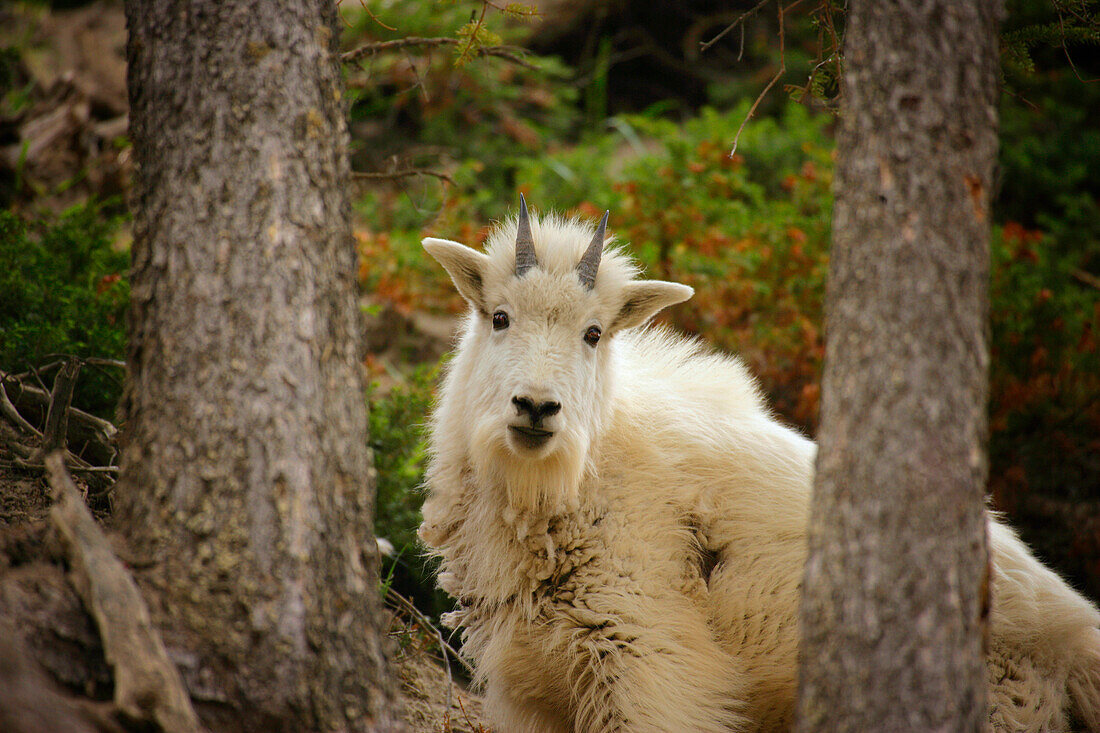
pixel 532 485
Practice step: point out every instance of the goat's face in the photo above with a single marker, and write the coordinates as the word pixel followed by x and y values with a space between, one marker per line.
pixel 539 366
pixel 535 357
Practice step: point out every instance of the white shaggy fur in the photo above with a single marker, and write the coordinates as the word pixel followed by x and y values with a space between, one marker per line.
pixel 640 571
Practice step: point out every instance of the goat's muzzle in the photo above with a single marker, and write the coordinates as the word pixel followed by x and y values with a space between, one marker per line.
pixel 531 431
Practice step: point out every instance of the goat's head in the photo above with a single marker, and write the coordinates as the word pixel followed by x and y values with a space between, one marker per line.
pixel 546 301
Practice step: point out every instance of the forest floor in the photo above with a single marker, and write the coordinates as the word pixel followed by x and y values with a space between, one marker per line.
pixel 52 632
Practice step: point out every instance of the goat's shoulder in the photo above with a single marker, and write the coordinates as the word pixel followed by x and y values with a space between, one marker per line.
pixel 679 386
pixel 687 419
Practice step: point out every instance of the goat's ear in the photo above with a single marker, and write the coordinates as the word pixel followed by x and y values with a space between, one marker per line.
pixel 467 267
pixel 642 299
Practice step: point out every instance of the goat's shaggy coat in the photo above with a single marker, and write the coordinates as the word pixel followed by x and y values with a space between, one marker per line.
pixel 626 546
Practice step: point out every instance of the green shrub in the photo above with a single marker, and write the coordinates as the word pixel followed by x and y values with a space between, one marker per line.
pixel 398 440
pixel 472 119
pixel 63 290
pixel 1045 380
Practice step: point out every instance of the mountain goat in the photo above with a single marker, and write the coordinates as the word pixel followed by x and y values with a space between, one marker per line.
pixel 622 521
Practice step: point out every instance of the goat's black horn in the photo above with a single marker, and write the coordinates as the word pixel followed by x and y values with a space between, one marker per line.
pixel 590 263
pixel 525 245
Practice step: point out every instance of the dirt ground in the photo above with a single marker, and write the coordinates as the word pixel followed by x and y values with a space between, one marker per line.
pixel 52 646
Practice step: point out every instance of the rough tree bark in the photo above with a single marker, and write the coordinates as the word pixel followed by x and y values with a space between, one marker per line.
pixel 895 591
pixel 246 478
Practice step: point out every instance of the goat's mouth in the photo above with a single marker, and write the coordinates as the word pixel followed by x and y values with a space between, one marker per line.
pixel 529 437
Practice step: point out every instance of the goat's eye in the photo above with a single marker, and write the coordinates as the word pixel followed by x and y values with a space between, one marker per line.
pixel 500 321
pixel 592 335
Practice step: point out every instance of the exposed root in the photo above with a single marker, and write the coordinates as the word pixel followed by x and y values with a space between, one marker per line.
pixel 148 686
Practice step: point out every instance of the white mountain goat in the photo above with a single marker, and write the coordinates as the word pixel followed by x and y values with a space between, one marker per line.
pixel 622 521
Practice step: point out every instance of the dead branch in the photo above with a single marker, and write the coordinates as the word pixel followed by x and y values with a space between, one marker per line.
pixel 36 370
pixel 703 46
pixel 508 53
pixel 395 175
pixel 55 434
pixel 376 47
pixel 473 726
pixel 406 606
pixel 148 686
pixel 1087 278
pixel 1065 49
pixel 96 361
pixel 8 410
pixel 13 441
pixel 82 425
pixel 26 445
pixel 69 464
pixel 778 75
pixel 375 17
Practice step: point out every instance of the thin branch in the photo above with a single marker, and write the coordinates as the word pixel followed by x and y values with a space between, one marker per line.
pixel 508 53
pixel 9 411
pixel 370 49
pixel 375 17
pixel 703 46
pixel 394 175
pixel 478 727
pixel 35 462
pixel 1016 95
pixel 778 75
pixel 38 378
pixel 1087 278
pixel 74 469
pixel 29 373
pixel 406 605
pixel 96 361
pixel 1065 50
pixel 473 34
pixel 100 429
pixel 419 82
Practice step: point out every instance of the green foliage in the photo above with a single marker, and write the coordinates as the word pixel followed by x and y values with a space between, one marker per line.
pixel 1033 28
pixel 1045 380
pixel 473 118
pixel 1045 377
pixel 398 441
pixel 1050 152
pixel 63 290
pixel 475 36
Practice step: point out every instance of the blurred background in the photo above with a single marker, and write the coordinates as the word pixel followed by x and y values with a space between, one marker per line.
pixel 456 107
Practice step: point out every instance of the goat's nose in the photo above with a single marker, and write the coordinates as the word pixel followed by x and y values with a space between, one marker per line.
pixel 536 410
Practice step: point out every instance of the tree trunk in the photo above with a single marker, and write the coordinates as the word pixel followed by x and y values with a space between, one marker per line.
pixel 896 593
pixel 246 477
